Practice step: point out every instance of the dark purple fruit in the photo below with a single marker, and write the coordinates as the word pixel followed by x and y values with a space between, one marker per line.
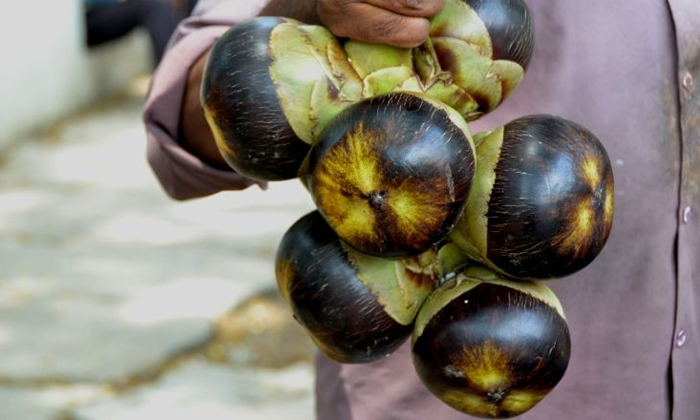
pixel 267 90
pixel 356 308
pixel 391 174
pixel 542 202
pixel 476 54
pixel 490 347
pixel 240 102
pixel 509 25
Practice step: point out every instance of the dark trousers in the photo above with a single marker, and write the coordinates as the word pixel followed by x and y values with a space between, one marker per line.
pixel 109 22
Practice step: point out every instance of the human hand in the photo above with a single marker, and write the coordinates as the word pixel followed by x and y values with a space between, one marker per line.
pixel 195 135
pixel 401 23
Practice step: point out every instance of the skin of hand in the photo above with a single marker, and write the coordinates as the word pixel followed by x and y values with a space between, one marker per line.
pixel 402 23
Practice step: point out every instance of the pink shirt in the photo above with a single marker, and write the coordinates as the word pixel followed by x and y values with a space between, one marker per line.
pixel 630 72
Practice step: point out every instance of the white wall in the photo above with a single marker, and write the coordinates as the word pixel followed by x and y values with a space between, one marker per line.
pixel 47 73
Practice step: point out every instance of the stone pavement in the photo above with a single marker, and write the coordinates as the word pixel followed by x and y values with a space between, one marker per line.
pixel 119 303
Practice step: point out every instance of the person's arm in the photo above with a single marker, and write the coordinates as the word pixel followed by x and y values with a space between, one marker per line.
pixel 402 23
pixel 183 174
pixel 195 135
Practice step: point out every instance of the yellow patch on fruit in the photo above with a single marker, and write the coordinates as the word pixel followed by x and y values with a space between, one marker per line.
pixel 284 272
pixel 584 219
pixel 357 219
pixel 512 404
pixel 470 403
pixel 487 367
pixel 365 175
pixel 346 175
pixel 411 210
pixel 354 161
pixel 517 402
pixel 219 138
pixel 576 238
pixel 609 205
pixel 591 171
pixel 489 393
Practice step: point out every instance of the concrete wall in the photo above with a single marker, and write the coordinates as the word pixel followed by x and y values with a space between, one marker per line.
pixel 47 73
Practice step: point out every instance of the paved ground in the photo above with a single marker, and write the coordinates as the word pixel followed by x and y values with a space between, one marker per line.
pixel 118 303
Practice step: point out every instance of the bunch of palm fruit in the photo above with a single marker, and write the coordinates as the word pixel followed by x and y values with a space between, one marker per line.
pixel 422 229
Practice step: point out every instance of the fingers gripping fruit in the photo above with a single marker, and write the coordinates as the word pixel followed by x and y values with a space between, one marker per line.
pixel 391 174
pixel 356 308
pixel 490 347
pixel 475 56
pixel 542 202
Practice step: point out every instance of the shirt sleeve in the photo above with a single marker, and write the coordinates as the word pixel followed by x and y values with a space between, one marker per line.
pixel 181 174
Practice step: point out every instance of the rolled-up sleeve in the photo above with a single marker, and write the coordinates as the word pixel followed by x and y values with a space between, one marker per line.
pixel 183 175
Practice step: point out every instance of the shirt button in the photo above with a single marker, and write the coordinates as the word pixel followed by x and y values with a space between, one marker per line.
pixel 680 338
pixel 687 214
pixel 687 81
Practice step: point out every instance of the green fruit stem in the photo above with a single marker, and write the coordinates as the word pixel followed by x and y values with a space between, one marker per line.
pixel 313 78
pixel 401 286
pixel 470 232
pixel 316 77
pixel 470 278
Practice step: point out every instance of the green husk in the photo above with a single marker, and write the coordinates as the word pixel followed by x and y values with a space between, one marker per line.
pixel 313 78
pixel 470 232
pixel 470 278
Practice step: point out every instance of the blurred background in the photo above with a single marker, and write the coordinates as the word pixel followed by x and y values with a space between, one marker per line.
pixel 115 301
